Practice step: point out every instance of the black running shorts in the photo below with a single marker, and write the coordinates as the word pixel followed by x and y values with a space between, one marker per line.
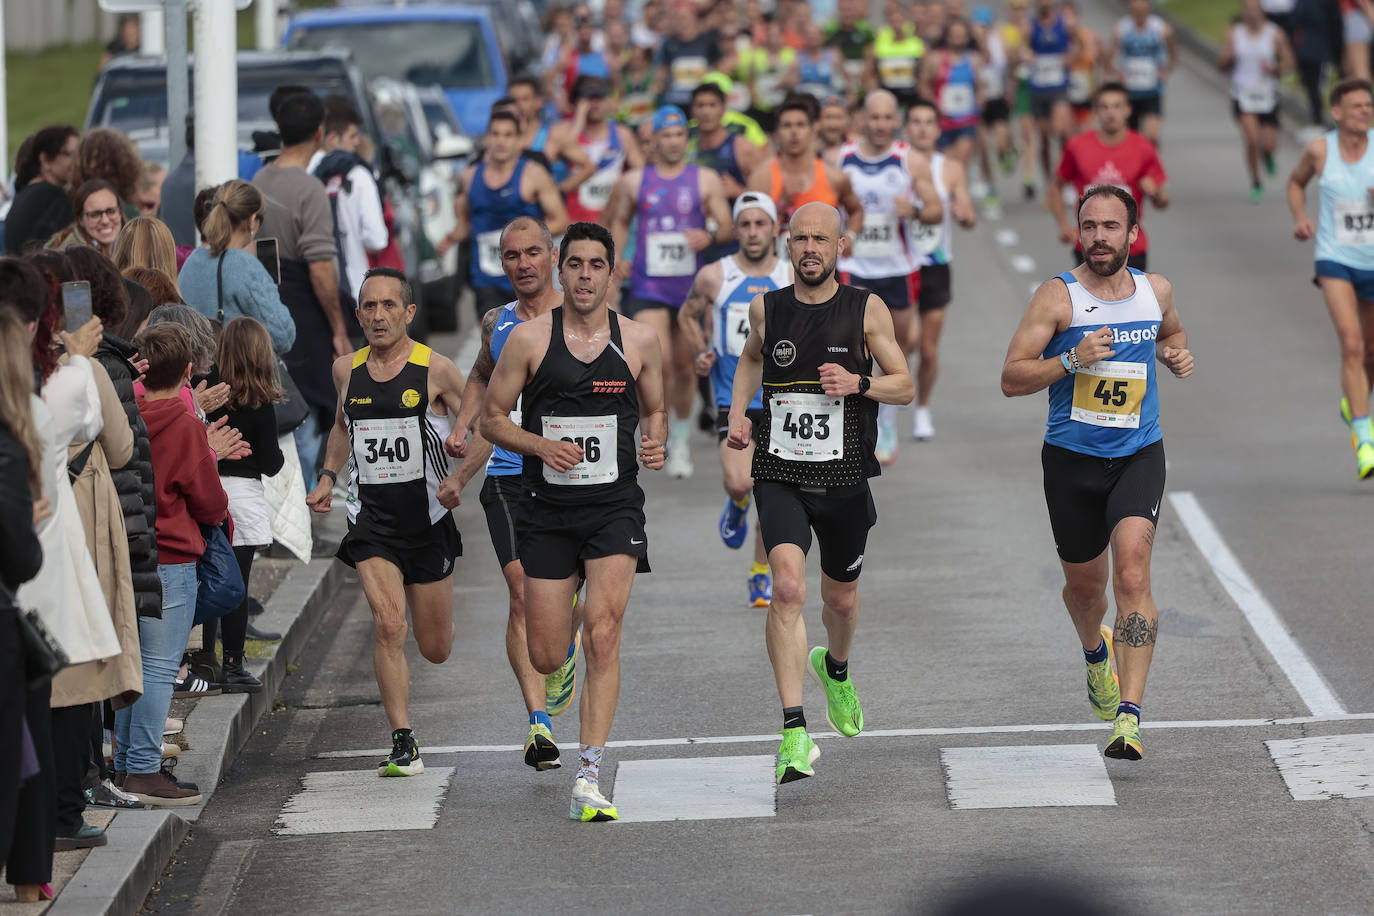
pixel 503 499
pixel 841 519
pixel 937 288
pixel 1089 496
pixel 422 558
pixel 1149 105
pixel 554 540
pixel 892 290
pixel 995 110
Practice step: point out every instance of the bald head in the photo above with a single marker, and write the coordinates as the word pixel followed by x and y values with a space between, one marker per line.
pixel 880 120
pixel 818 217
pixel 880 100
pixel 814 243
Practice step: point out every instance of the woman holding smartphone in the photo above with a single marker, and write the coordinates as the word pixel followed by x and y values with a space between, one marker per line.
pixel 224 278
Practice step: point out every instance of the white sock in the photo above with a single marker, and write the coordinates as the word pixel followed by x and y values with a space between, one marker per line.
pixel 680 431
pixel 887 414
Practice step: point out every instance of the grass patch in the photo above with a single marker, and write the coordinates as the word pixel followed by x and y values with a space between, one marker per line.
pixel 1209 18
pixel 260 648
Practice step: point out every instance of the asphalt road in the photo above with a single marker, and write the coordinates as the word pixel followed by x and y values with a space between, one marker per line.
pixel 963 647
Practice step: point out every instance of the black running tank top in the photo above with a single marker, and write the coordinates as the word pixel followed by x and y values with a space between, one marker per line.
pixel 807 437
pixel 594 404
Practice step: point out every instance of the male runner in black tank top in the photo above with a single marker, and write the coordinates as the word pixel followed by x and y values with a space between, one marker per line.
pixel 397 400
pixel 587 376
pixel 812 346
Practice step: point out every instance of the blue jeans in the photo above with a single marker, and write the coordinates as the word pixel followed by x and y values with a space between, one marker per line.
pixel 309 441
pixel 138 728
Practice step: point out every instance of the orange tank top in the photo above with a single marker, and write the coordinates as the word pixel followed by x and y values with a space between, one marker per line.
pixel 820 190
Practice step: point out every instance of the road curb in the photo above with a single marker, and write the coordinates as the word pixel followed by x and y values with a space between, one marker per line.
pixel 115 879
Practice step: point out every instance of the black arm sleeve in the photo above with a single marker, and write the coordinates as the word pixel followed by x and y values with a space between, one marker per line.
pixel 20 553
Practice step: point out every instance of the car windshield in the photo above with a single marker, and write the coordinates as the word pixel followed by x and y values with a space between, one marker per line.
pixel 140 109
pixel 451 54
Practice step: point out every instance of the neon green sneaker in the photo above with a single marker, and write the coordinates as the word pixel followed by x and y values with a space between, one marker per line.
pixel 1125 743
pixel 1345 415
pixel 1104 690
pixel 561 686
pixel 841 702
pixel 588 804
pixel 1256 194
pixel 796 754
pixel 1364 461
pixel 540 751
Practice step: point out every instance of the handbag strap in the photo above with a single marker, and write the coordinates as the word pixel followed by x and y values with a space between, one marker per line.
pixel 219 287
pixel 78 463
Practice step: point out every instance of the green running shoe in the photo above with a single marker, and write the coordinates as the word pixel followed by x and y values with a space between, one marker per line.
pixel 1125 743
pixel 841 702
pixel 1364 461
pixel 1256 194
pixel 796 754
pixel 561 686
pixel 405 756
pixel 588 804
pixel 540 751
pixel 1345 415
pixel 1104 690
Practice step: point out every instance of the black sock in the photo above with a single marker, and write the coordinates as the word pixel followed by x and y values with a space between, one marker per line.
pixel 838 671
pixel 792 717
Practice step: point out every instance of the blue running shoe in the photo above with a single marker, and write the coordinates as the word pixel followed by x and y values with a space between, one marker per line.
pixel 760 590
pixel 734 523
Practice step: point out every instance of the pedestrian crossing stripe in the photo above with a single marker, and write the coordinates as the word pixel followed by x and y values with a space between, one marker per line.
pixel 1326 767
pixel 357 801
pixel 695 788
pixel 1038 776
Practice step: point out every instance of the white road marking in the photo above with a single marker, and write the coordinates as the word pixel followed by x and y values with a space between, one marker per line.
pixel 1007 237
pixel 1045 776
pixel 356 801
pixel 1023 263
pixel 1265 621
pixel 694 788
pixel 1330 766
pixel 1150 725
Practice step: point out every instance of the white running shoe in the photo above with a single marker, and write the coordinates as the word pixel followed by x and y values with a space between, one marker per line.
pixel 588 804
pixel 921 427
pixel 887 445
pixel 679 462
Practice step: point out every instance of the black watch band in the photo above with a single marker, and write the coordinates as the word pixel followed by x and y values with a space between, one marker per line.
pixel 865 382
pixel 332 475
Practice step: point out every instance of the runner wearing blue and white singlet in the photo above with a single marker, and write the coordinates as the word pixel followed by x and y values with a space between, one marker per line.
pixel 720 299
pixel 1048 53
pixel 1092 336
pixel 1343 163
pixel 1143 54
pixel 527 257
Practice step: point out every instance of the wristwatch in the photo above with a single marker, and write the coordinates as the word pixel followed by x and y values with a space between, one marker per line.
pixel 865 382
pixel 332 475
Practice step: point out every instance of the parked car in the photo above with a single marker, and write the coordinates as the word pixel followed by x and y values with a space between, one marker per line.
pixel 519 26
pixel 452 45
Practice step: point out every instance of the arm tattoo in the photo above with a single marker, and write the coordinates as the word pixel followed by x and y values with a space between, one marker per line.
pixel 1135 631
pixel 484 365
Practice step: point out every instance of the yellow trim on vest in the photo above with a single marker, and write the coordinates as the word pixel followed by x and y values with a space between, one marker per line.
pixel 360 357
pixel 420 355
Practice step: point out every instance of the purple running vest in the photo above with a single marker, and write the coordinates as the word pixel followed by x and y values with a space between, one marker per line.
pixel 663 266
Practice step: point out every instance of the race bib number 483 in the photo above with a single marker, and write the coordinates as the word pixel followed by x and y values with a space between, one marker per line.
pixel 1108 393
pixel 806 427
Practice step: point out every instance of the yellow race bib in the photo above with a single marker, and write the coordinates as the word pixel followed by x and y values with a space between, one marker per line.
pixel 1109 393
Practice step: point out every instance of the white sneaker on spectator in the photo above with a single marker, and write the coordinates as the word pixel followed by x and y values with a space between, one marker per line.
pixel 921 426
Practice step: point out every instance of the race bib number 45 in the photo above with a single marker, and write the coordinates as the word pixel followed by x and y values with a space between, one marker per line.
pixel 1109 394
pixel 388 450
pixel 596 436
pixel 806 427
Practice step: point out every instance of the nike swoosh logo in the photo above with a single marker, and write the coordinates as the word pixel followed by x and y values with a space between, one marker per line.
pixel 502 327
pixel 635 543
pixel 1155 510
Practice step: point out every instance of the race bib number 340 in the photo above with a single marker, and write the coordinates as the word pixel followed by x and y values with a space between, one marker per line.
pixel 388 450
pixel 1109 393
pixel 806 427
pixel 596 436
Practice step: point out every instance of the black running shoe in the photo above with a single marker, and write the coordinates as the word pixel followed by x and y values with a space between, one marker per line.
pixel 405 756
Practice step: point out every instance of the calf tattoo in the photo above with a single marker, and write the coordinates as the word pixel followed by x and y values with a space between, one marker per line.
pixel 1135 631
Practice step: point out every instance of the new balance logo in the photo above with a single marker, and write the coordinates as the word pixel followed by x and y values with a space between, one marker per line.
pixel 610 387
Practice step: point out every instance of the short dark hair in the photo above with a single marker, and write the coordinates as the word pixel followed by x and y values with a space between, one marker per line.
pixel 504 115
pixel 1111 190
pixel 109 299
pixel 584 83
pixel 922 102
pixel 280 94
pixel 708 89
pixel 167 348
pixel 298 116
pixel 47 142
pixel 23 288
pixel 527 80
pixel 340 113
pixel 1347 86
pixel 587 232
pixel 803 102
pixel 504 101
pixel 407 292
pixel 1111 86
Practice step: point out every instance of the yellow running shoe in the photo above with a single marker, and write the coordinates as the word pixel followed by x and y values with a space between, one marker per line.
pixel 1345 415
pixel 1125 743
pixel 540 751
pixel 561 686
pixel 1104 690
pixel 1364 461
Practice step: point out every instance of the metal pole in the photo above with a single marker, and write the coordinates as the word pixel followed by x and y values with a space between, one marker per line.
pixel 266 13
pixel 178 92
pixel 216 93
pixel 4 111
pixel 151 29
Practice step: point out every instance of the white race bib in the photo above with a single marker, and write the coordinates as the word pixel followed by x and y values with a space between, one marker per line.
pixel 957 100
pixel 387 450
pixel 878 237
pixel 1258 99
pixel 688 72
pixel 1109 393
pixel 897 72
pixel 596 436
pixel 736 327
pixel 669 255
pixel 595 192
pixel 1354 222
pixel 489 253
pixel 766 91
pixel 1080 87
pixel 926 238
pixel 806 427
pixel 1047 70
pixel 993 82
pixel 1142 74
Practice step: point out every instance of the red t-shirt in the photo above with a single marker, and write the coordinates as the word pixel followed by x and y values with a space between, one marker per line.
pixel 1088 162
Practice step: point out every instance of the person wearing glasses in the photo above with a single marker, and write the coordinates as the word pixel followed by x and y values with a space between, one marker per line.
pixel 99 217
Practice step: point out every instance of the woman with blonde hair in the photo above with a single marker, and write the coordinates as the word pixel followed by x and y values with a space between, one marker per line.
pixel 145 241
pixel 225 280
